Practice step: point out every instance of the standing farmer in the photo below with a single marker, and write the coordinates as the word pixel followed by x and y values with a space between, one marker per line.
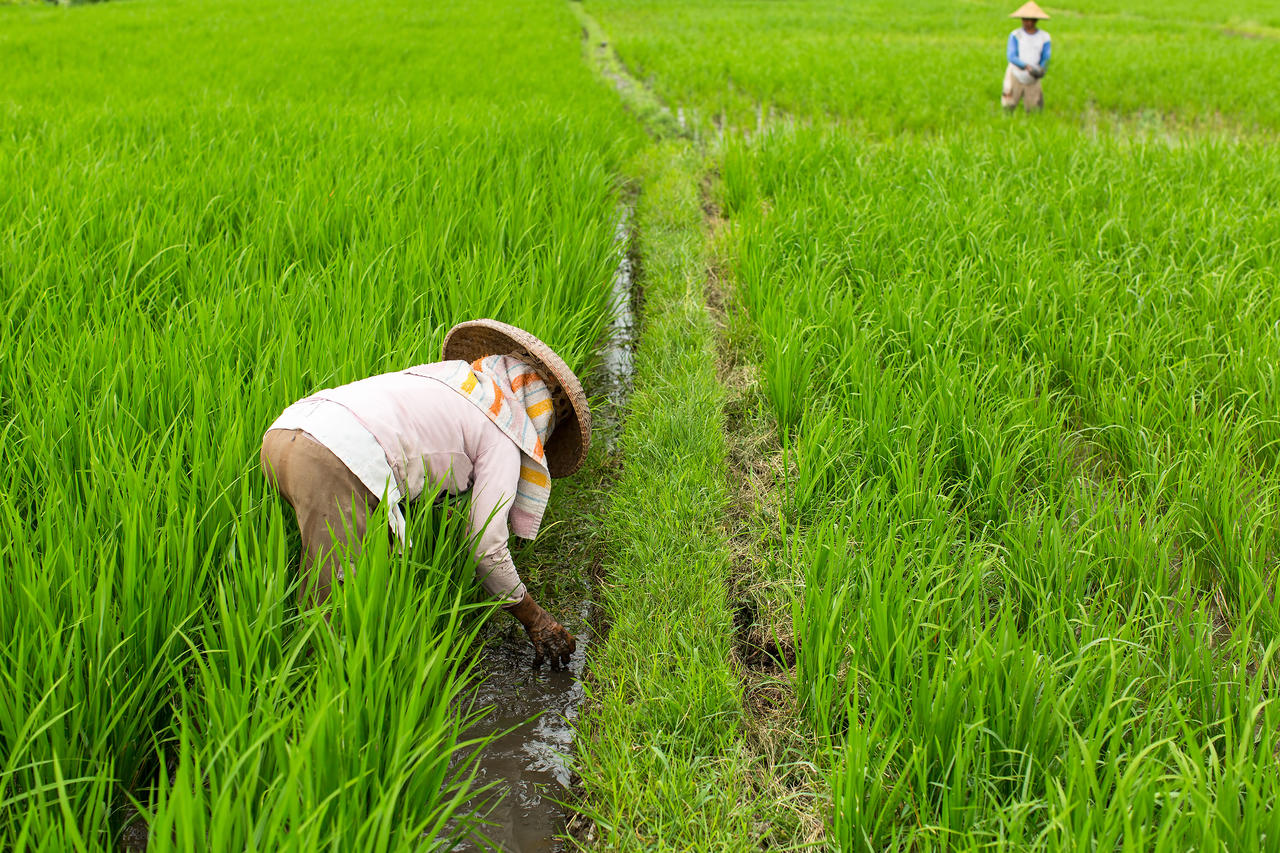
pixel 500 415
pixel 1028 54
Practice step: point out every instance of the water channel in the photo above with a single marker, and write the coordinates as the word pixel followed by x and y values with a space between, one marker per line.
pixel 535 712
pixel 530 763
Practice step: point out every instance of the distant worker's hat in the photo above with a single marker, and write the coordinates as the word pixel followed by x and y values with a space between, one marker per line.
pixel 1030 10
pixel 567 447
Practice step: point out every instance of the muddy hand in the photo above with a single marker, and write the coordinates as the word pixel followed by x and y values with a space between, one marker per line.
pixel 551 642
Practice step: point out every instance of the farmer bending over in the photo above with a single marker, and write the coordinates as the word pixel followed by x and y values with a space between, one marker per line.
pixel 500 415
pixel 1028 54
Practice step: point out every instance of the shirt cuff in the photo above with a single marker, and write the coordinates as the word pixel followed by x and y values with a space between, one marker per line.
pixel 500 579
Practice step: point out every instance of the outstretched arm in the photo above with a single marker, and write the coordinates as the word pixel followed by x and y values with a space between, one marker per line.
pixel 497 474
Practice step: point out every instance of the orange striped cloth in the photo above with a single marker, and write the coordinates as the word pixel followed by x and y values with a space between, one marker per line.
pixel 519 403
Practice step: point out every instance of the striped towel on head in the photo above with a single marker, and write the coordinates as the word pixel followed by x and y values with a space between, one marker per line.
pixel 518 402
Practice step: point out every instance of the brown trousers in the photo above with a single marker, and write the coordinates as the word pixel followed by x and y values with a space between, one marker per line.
pixel 331 504
pixel 1031 95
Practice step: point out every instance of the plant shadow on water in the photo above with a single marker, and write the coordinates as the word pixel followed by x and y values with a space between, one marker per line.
pixel 534 714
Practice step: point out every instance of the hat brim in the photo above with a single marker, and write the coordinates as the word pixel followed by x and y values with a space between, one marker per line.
pixel 567 447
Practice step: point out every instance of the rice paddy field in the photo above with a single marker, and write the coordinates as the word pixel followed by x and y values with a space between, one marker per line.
pixel 1032 449
pixel 887 67
pixel 1017 526
pixel 946 514
pixel 209 211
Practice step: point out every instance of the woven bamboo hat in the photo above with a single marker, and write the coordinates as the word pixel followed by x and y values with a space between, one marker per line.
pixel 1030 10
pixel 567 447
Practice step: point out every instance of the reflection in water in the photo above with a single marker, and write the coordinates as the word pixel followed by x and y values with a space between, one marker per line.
pixel 529 764
pixel 617 363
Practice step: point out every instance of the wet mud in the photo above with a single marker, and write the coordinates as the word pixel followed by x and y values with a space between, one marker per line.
pixel 135 834
pixel 533 713
pixel 529 763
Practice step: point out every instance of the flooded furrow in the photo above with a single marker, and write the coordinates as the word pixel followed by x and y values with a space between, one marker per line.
pixel 533 713
pixel 618 356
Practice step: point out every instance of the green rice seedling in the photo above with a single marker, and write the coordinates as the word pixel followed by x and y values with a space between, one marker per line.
pixel 223 211
pixel 866 790
pixel 793 357
pixel 819 467
pixel 357 743
pixel 818 618
pixel 1067 550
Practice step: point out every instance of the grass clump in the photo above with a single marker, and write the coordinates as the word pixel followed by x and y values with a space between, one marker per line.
pixel 207 212
pixel 1018 623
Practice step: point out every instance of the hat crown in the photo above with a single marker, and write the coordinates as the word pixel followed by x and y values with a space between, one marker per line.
pixel 1030 10
pixel 566 449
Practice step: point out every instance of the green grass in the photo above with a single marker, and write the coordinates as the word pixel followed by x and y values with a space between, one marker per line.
pixel 1030 487
pixel 931 65
pixel 207 212
pixel 659 752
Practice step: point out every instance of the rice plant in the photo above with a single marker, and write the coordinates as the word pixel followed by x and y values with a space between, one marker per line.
pixel 925 67
pixel 1032 469
pixel 207 212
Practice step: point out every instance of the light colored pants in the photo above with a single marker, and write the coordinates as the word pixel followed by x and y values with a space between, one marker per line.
pixel 331 504
pixel 1031 95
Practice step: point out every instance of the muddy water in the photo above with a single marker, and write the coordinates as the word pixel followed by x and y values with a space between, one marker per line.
pixel 617 358
pixel 529 764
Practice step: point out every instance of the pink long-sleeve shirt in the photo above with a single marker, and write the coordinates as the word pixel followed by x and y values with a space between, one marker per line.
pixel 432 435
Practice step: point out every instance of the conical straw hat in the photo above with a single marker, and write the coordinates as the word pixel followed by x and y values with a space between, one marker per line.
pixel 567 447
pixel 1030 10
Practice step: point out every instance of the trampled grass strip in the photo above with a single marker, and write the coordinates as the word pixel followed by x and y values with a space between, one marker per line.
pixel 660 753
pixel 673 759
pixel 655 115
